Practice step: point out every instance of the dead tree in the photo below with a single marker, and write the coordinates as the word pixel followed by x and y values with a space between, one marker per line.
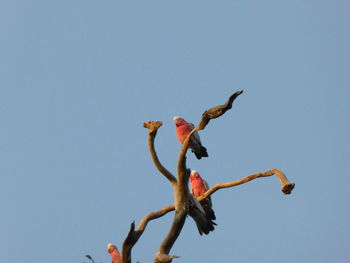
pixel 184 202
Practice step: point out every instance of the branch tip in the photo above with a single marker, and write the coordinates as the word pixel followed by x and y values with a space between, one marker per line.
pixel 287 188
pixel 217 111
pixel 152 126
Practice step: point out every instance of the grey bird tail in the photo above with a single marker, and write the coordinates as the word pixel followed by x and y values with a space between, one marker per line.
pixel 200 152
pixel 209 212
pixel 196 211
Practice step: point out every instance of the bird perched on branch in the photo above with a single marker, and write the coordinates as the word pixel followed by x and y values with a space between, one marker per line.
pixel 199 187
pixel 113 251
pixel 183 128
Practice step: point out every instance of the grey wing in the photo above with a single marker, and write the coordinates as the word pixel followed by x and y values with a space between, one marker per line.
pixel 207 188
pixel 197 212
pixel 206 185
pixel 196 135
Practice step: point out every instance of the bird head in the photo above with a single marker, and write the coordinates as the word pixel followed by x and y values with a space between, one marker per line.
pixel 111 247
pixel 194 175
pixel 179 121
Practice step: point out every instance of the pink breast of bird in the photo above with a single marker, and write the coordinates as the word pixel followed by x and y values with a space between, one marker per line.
pixel 116 258
pixel 198 187
pixel 182 131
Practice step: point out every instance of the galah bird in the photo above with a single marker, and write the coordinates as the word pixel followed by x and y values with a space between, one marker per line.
pixel 199 187
pixel 116 256
pixel 183 128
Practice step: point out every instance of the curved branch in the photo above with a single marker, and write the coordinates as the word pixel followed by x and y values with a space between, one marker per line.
pixel 184 147
pixel 152 132
pixel 154 215
pixel 217 111
pixel 133 236
pixel 212 113
pixel 287 186
pixel 181 163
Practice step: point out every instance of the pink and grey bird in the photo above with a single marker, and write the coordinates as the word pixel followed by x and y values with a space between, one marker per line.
pixel 199 187
pixel 183 128
pixel 113 251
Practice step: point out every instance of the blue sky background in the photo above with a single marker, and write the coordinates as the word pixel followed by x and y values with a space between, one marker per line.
pixel 79 78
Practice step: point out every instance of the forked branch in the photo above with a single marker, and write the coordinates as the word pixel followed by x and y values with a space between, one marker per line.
pixel 184 202
pixel 134 235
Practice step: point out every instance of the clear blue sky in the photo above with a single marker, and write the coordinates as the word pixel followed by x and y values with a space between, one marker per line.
pixel 79 78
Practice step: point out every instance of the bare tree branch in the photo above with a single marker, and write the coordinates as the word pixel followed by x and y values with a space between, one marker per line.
pixel 181 210
pixel 129 242
pixel 169 240
pixel 133 236
pixel 181 199
pixel 181 163
pixel 287 186
pixel 154 215
pixel 152 132
pixel 217 111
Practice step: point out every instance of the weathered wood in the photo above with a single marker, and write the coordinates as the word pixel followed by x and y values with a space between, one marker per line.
pixel 133 236
pixel 153 127
pixel 217 111
pixel 169 240
pixel 286 186
pixel 129 242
